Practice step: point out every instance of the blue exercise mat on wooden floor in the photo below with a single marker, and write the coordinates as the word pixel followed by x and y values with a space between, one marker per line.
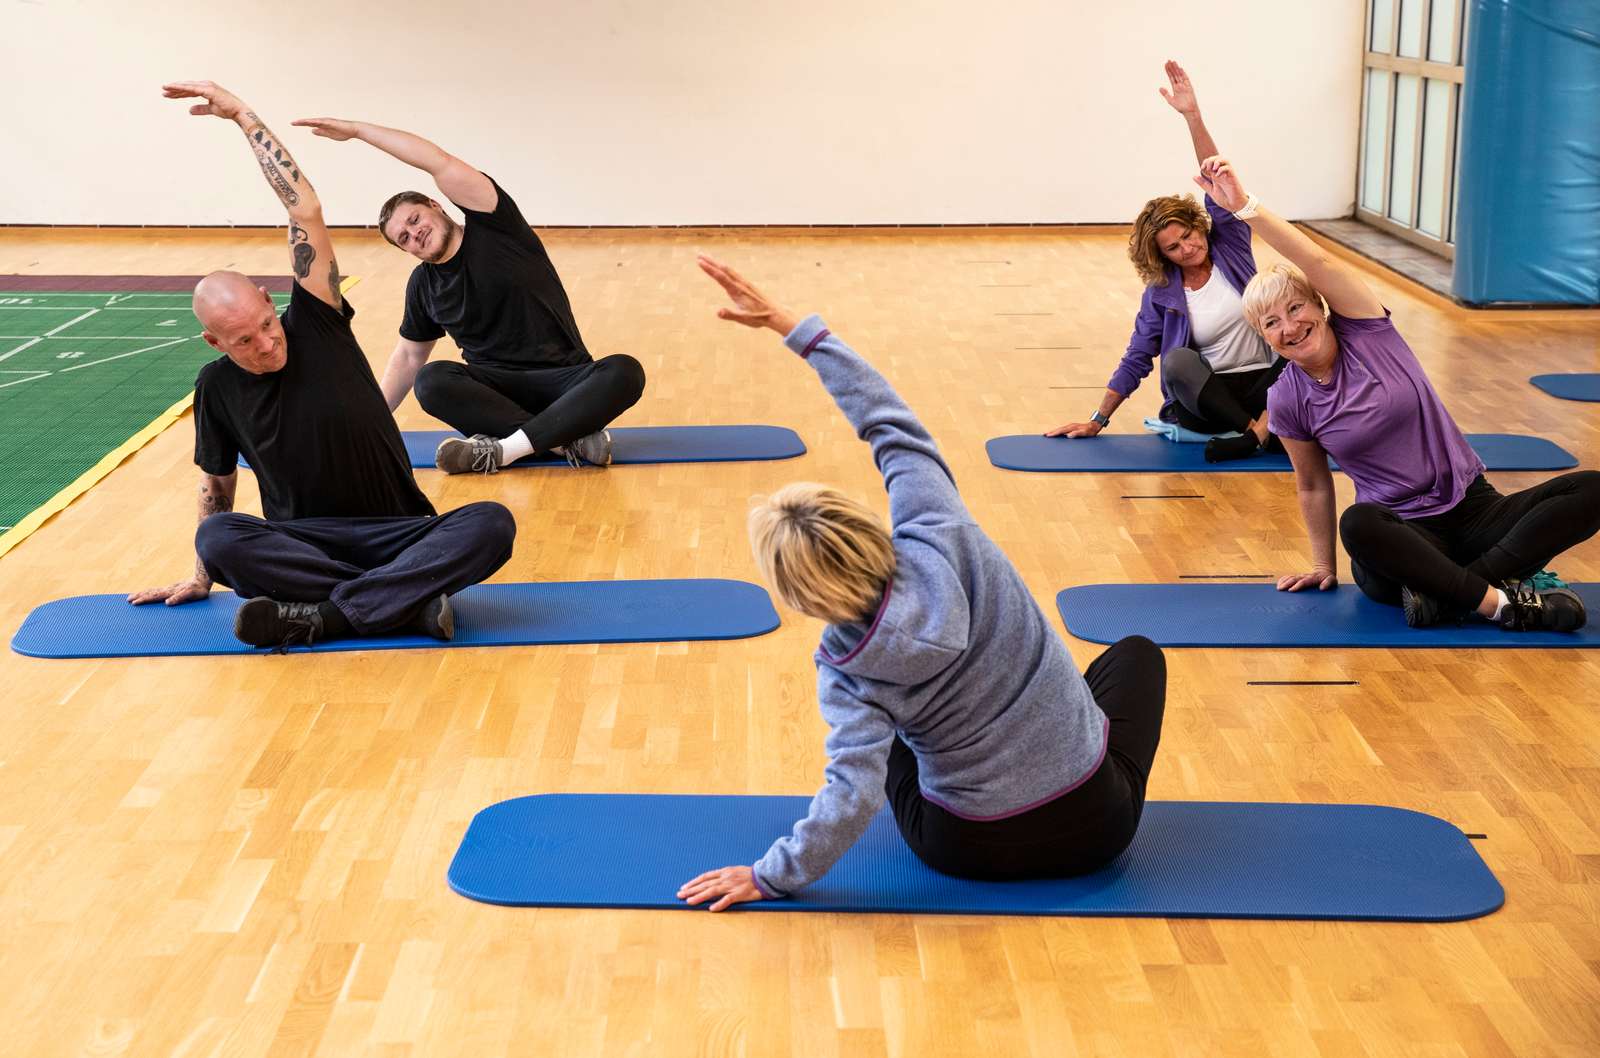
pixel 1258 615
pixel 653 444
pixel 1575 386
pixel 1190 859
pixel 486 615
pixel 1146 453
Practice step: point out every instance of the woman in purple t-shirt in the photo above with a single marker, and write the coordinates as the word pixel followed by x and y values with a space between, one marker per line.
pixel 1426 532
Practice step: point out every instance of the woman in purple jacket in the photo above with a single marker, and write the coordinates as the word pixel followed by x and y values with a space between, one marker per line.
pixel 1215 370
pixel 1427 532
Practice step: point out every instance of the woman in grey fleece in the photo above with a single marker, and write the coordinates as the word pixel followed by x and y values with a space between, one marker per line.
pixel 946 690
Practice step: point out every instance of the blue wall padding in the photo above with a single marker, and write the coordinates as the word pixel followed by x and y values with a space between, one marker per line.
pixel 1528 221
pixel 1259 615
pixel 1577 385
pixel 487 615
pixel 1122 453
pixel 1190 859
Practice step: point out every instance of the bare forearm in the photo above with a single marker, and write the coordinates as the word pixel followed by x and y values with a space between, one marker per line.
pixel 1111 402
pixel 1200 136
pixel 1290 241
pixel 1316 507
pixel 283 173
pixel 398 378
pixel 216 497
pixel 406 146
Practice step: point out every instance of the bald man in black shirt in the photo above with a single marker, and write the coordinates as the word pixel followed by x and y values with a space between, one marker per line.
pixel 528 385
pixel 349 544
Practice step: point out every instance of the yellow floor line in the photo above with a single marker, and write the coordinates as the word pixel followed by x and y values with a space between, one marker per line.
pixel 113 459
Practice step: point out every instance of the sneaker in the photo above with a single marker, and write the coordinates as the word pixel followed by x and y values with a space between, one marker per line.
pixel 1225 448
pixel 1530 610
pixel 478 454
pixel 264 622
pixel 1424 611
pixel 592 450
pixel 435 619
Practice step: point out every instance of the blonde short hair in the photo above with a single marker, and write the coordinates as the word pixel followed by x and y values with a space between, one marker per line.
pixel 1270 286
pixel 1144 248
pixel 825 554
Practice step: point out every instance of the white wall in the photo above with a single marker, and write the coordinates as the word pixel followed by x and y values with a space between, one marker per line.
pixel 682 111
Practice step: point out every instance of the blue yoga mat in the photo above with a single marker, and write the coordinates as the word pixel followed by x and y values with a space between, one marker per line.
pixel 1258 615
pixel 601 611
pixel 1580 386
pixel 1146 453
pixel 1190 859
pixel 653 444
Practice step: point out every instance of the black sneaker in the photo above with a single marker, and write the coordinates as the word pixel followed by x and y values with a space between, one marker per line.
pixel 1553 610
pixel 1424 611
pixel 435 619
pixel 1225 449
pixel 264 622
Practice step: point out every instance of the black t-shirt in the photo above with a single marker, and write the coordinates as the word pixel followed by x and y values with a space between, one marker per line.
pixel 499 297
pixel 317 433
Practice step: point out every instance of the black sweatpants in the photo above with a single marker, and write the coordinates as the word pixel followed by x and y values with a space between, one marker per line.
pixel 1207 402
pixel 378 571
pixel 552 405
pixel 1485 539
pixel 1078 832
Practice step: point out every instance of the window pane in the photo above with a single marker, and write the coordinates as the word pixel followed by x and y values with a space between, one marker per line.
pixel 1402 170
pixel 1411 28
pixel 1382 26
pixel 1432 196
pixel 1373 137
pixel 1442 31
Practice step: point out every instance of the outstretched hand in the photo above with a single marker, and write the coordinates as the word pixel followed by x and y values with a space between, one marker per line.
pixel 1075 429
pixel 1181 97
pixel 184 591
pixel 1219 180
pixel 750 307
pixel 219 102
pixel 1321 579
pixel 329 128
pixel 732 885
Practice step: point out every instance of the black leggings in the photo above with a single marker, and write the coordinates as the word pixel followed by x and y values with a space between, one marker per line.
pixel 1076 833
pixel 1207 402
pixel 1484 540
pixel 552 405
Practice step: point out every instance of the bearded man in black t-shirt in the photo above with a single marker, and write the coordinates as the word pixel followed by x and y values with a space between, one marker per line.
pixel 349 544
pixel 528 384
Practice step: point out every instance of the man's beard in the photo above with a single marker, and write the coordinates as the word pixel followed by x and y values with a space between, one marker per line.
pixel 447 239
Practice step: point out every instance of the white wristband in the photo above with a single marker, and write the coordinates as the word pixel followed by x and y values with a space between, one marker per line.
pixel 1251 206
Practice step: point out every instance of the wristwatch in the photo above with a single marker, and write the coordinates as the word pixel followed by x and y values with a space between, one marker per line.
pixel 1251 205
pixel 1103 420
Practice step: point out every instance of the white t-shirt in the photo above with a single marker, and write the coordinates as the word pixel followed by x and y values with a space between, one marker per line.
pixel 1221 335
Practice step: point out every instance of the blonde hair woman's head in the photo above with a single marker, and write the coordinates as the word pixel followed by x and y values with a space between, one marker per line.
pixel 1270 296
pixel 1170 229
pixel 825 554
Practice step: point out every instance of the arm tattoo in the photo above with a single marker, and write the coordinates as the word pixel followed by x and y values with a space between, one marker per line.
pixel 281 170
pixel 333 282
pixel 212 501
pixel 301 249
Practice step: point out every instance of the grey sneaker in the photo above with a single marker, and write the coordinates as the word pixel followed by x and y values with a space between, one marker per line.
pixel 593 450
pixel 478 454
pixel 435 619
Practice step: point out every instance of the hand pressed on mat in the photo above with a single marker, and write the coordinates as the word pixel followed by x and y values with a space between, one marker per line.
pixel 734 885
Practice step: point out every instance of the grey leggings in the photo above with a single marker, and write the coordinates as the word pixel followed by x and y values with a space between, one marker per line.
pixel 1207 402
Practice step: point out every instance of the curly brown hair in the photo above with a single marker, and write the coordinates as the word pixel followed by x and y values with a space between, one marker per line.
pixel 1143 251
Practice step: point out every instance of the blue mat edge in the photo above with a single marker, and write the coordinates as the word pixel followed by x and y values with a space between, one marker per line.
pixel 341 646
pixel 796 907
pixel 1565 461
pixel 1541 382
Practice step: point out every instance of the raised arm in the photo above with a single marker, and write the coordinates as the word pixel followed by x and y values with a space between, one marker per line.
pixel 457 181
pixel 310 247
pixel 917 478
pixel 216 496
pixel 1346 292
pixel 1181 98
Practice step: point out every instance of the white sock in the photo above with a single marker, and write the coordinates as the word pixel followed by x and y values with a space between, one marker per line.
pixel 515 447
pixel 1500 607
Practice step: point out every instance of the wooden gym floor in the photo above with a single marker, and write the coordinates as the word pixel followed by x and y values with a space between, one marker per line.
pixel 246 856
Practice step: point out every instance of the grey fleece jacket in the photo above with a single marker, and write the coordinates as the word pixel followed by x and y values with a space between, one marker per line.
pixel 958 660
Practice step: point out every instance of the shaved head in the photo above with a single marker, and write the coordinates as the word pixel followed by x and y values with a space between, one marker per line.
pixel 240 320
